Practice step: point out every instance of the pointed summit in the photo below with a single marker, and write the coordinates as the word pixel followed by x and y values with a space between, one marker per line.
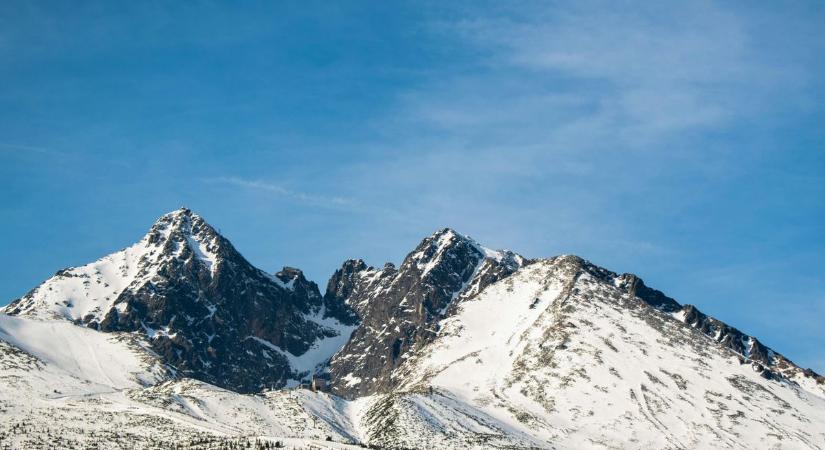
pixel 446 249
pixel 87 293
pixel 183 233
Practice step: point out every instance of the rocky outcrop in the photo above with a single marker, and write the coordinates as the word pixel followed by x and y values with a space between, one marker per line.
pixel 399 308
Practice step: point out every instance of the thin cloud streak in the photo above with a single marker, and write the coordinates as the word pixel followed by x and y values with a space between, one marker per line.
pixel 264 186
pixel 29 149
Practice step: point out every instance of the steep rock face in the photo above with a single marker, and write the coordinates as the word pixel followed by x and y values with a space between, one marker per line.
pixel 635 287
pixel 209 313
pixel 340 288
pixel 398 309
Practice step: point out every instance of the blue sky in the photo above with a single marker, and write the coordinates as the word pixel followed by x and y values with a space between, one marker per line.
pixel 681 141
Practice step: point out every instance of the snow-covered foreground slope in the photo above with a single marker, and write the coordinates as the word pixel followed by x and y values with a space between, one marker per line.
pixel 102 362
pixel 64 386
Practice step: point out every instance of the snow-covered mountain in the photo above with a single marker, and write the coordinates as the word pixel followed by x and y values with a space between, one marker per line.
pixel 178 340
pixel 209 313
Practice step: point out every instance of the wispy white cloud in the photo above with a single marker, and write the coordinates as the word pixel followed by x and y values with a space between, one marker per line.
pixel 18 148
pixel 275 189
pixel 580 72
pixel 577 107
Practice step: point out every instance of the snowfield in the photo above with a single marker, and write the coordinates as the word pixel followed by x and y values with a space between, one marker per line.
pixel 66 386
pixel 101 362
pixel 574 363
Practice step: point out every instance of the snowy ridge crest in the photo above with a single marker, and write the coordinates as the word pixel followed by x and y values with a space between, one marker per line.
pixel 87 293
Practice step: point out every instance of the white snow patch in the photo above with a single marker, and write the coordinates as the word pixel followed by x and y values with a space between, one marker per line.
pixel 81 352
pixel 320 351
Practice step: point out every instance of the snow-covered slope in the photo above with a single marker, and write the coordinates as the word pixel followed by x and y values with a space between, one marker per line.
pixel 561 354
pixel 67 386
pixel 99 362
pixel 89 291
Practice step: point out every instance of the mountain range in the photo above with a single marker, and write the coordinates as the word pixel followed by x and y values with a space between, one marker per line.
pixel 178 340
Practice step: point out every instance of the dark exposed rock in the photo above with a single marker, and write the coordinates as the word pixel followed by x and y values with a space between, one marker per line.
pixel 637 288
pixel 399 309
pixel 728 336
pixel 339 290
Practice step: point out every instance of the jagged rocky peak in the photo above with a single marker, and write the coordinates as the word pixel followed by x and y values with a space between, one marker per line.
pixel 344 280
pixel 398 309
pixel 435 251
pixel 340 289
pixel 637 288
pixel 184 234
pixel 448 263
pixel 458 265
pixel 179 241
pixel 206 310
pixel 294 280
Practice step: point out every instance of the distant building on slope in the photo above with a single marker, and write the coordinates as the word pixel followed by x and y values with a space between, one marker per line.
pixel 314 384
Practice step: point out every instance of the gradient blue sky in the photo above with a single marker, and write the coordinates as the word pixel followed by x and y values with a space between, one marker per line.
pixel 680 141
